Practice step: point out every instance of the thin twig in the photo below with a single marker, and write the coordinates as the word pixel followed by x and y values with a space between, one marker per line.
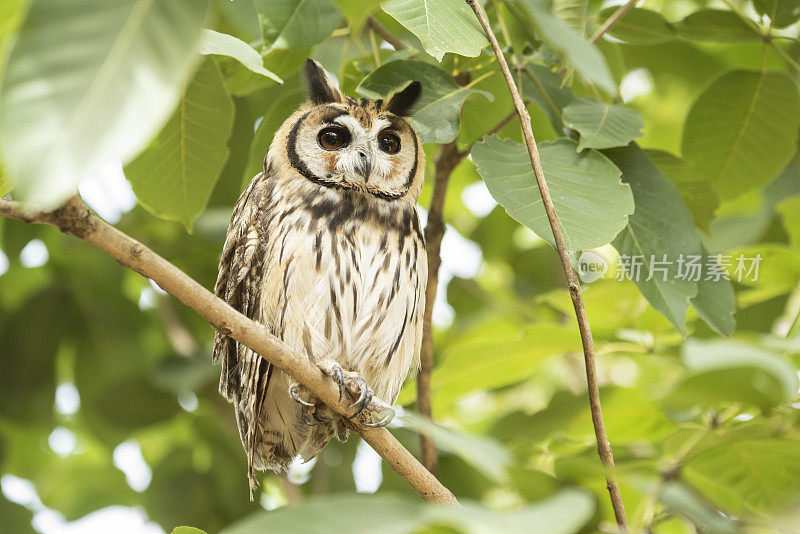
pixel 76 219
pixel 447 160
pixel 612 20
pixel 385 34
pixel 603 445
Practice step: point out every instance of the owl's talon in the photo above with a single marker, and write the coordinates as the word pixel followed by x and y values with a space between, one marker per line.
pixel 338 375
pixel 383 422
pixel 363 391
pixel 362 403
pixel 294 392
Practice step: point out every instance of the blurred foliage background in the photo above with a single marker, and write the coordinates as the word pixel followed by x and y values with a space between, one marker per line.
pixel 107 393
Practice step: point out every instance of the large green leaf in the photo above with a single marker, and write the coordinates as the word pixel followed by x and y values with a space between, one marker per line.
pixel 742 131
pixel 547 89
pixel 660 226
pixel 680 498
pixel 716 25
pixel 715 301
pixel 227 45
pixel 467 368
pixel 174 177
pixel 768 270
pixel 441 25
pixel 576 51
pixel 564 513
pixel 602 125
pixel 748 475
pixel 66 111
pixel 286 99
pixel 574 12
pixel 437 110
pixel 640 26
pixel 781 12
pixel 727 371
pixel 296 23
pixel 698 194
pixel 576 182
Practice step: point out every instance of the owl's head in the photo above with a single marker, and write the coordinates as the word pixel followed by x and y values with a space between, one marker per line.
pixel 354 144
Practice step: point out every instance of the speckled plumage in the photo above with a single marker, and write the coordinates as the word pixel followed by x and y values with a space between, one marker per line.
pixel 330 261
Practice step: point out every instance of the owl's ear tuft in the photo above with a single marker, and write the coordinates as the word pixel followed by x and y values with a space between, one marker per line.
pixel 321 89
pixel 402 101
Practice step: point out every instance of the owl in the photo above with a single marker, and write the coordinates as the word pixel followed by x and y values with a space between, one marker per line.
pixel 324 249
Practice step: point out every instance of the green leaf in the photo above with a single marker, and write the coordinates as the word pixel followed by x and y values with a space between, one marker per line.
pixel 481 452
pixel 680 498
pixel 790 212
pixel 778 272
pixel 441 25
pixel 725 371
pixel 546 88
pixel 748 475
pixel 64 115
pixel 576 51
pixel 227 45
pixel 5 186
pixel 564 513
pixel 573 12
pixel 296 23
pixel 437 110
pixel 356 12
pixel 576 180
pixel 715 301
pixel 174 177
pixel 640 26
pixel 742 131
pixel 661 225
pixel 782 13
pixel 286 100
pixel 602 125
pixel 716 25
pixel 187 530
pixel 467 369
pixel 698 194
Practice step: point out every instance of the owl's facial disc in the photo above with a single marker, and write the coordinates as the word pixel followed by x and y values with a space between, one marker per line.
pixel 355 145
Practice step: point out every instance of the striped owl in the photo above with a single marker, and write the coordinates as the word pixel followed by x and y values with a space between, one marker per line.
pixel 324 249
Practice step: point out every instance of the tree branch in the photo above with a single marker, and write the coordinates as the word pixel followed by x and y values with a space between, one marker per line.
pixel 612 20
pixel 603 445
pixel 76 219
pixel 447 160
pixel 385 34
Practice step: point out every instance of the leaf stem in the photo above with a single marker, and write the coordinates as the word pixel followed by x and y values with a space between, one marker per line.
pixel 612 21
pixel 603 445
pixel 385 34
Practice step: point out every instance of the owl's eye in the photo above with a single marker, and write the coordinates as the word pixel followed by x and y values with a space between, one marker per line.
pixel 389 142
pixel 333 137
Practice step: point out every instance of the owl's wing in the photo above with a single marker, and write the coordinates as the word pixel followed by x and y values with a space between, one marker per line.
pixel 239 284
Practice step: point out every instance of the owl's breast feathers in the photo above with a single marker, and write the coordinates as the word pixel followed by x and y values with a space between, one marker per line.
pixel 335 274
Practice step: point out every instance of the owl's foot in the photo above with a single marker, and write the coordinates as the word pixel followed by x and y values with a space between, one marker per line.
pixel 309 410
pixel 375 412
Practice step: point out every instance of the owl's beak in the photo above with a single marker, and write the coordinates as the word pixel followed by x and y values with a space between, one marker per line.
pixel 364 164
